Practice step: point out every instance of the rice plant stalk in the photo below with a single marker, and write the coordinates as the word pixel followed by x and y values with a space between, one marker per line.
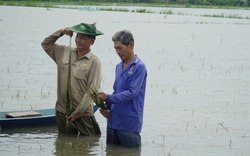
pixel 69 98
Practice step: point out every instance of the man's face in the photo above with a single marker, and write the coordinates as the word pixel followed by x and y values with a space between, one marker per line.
pixel 83 41
pixel 124 51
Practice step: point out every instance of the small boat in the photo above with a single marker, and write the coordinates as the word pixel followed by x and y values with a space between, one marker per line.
pixel 12 119
pixel 88 9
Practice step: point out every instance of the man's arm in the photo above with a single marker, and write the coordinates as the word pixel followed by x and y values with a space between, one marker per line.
pixel 49 45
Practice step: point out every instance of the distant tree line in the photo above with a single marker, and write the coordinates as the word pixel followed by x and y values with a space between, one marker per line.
pixel 187 2
pixel 193 2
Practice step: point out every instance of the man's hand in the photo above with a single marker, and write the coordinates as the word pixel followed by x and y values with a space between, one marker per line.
pixel 67 31
pixel 105 113
pixel 102 96
pixel 72 118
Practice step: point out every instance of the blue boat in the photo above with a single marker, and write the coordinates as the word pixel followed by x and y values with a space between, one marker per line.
pixel 88 9
pixel 46 116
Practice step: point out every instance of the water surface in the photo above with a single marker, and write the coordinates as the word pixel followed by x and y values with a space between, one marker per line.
pixel 198 88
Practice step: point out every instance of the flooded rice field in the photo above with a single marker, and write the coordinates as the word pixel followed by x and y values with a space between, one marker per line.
pixel 198 88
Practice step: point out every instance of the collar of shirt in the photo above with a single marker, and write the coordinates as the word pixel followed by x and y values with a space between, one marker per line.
pixel 130 66
pixel 88 55
pixel 134 61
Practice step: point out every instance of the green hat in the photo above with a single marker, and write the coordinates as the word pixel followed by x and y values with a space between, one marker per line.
pixel 87 29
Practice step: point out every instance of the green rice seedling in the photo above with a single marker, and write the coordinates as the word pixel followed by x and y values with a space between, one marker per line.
pixel 159 67
pixel 149 11
pixel 106 9
pixel 169 153
pixel 221 124
pixel 141 10
pixel 9 85
pixel 78 145
pixel 170 12
pixel 174 91
pixel 193 114
pixel 182 68
pixel 187 126
pixel 20 147
pixel 41 90
pixel 123 10
pixel 94 96
pixel 115 9
pixel 70 144
pixel 18 94
pixel 219 15
pixel 40 145
pixel 230 143
pixel 206 124
pixel 58 142
pixel 235 16
pixel 212 67
pixel 180 13
pixel 193 35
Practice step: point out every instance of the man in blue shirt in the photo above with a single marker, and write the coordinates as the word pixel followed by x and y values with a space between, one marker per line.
pixel 126 104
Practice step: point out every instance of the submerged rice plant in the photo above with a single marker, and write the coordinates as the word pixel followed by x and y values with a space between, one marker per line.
pixel 235 16
pixel 141 10
pixel 166 12
pixel 114 9
pixel 214 15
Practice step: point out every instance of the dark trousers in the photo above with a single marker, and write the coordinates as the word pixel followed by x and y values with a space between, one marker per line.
pixel 124 138
pixel 85 125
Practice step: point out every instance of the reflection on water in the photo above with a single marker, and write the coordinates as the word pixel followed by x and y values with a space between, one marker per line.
pixel 118 150
pixel 197 100
pixel 47 140
pixel 71 145
pixel 28 140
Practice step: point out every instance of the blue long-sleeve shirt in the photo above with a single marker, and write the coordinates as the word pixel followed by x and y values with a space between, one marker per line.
pixel 126 103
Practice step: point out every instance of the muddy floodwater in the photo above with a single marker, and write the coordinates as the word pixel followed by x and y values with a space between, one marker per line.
pixel 198 87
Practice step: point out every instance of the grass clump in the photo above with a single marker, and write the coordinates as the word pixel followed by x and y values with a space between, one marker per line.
pixel 114 9
pixel 169 12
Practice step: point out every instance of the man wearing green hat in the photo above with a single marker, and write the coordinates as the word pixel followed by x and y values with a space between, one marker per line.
pixel 78 71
